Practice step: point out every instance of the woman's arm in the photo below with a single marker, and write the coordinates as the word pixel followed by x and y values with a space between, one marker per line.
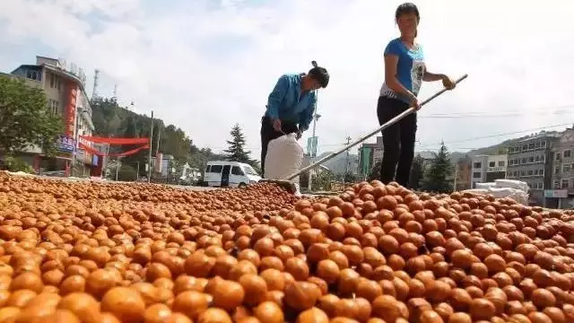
pixel 432 77
pixel 391 61
pixel 447 82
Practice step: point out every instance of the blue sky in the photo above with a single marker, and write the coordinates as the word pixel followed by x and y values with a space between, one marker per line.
pixel 206 65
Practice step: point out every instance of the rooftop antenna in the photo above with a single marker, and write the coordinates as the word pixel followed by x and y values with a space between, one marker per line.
pixel 96 79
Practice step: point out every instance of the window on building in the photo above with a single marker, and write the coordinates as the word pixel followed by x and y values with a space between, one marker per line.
pixel 509 174
pixel 556 184
pixel 541 186
pixel 522 173
pixel 543 159
pixel 501 163
pixel 541 172
pixel 477 165
pixel 565 183
pixel 565 168
pixel 531 172
pixel 54 106
pixel 567 153
pixel 510 150
pixel 524 147
pixel 33 75
pixel 536 172
pixel 557 156
pixel 543 144
pixel 557 170
pixel 538 144
pixel 531 159
pixel 537 158
pixel 531 146
pixel 476 175
pixel 52 81
pixel 515 173
pixel 492 164
pixel 524 160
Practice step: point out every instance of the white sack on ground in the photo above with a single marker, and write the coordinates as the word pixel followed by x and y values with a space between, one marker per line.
pixel 284 157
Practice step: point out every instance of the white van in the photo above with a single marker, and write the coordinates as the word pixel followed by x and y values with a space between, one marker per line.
pixel 229 174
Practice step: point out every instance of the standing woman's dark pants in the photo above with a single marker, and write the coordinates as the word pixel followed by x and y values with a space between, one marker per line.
pixel 398 141
pixel 268 133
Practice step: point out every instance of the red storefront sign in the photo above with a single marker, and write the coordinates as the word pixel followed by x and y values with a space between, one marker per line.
pixel 71 110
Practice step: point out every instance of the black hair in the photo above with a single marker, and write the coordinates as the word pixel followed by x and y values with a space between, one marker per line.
pixel 407 8
pixel 319 74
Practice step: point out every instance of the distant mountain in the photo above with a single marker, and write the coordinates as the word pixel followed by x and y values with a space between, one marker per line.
pixel 497 149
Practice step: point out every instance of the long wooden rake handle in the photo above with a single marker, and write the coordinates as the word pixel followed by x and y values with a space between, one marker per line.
pixel 370 134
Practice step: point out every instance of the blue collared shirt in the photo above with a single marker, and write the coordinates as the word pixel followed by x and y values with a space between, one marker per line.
pixel 286 103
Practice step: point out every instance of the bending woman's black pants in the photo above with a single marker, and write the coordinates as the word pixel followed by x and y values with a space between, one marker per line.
pixel 398 141
pixel 268 133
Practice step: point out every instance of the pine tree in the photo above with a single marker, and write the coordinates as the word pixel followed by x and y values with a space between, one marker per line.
pixel 236 150
pixel 417 172
pixel 437 177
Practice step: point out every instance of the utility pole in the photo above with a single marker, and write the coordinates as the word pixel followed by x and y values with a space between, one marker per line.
pixel 118 165
pixel 158 137
pixel 96 82
pixel 455 177
pixel 150 149
pixel 316 117
pixel 347 160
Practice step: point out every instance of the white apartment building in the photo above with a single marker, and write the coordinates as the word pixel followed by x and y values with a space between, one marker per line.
pixel 487 168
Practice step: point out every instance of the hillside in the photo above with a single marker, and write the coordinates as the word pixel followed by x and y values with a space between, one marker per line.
pixel 455 156
pixel 111 120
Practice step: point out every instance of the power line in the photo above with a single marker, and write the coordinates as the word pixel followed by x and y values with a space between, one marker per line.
pixel 508 115
pixel 520 110
pixel 510 133
pixel 450 142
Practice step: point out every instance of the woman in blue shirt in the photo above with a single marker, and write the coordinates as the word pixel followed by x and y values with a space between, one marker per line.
pixel 291 105
pixel 405 71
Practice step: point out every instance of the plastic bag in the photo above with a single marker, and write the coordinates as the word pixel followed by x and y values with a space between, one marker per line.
pixel 284 157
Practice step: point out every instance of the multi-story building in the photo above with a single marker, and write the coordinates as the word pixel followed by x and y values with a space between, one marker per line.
pixel 66 97
pixel 530 161
pixel 561 193
pixel 488 168
pixel 369 155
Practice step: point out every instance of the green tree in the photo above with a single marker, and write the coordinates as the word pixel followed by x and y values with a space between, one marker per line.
pixel 25 118
pixel 236 150
pixel 437 177
pixel 417 172
pixel 127 173
pixel 322 181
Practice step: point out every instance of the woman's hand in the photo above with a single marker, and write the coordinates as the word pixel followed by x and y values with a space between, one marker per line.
pixel 277 125
pixel 448 83
pixel 415 102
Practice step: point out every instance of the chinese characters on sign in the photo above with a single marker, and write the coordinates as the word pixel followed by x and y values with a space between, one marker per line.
pixel 66 144
pixel 71 110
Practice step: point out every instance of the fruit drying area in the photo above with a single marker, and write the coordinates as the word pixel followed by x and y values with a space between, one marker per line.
pixel 102 252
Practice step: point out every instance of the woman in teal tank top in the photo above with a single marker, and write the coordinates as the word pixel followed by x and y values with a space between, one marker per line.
pixel 405 71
